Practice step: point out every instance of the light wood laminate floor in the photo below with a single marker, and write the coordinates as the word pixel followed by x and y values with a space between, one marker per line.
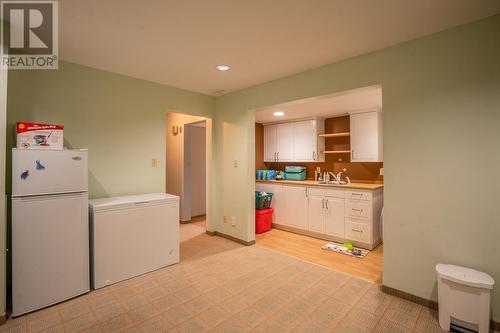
pixel 309 249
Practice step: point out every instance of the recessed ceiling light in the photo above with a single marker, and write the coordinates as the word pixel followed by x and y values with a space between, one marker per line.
pixel 223 68
pixel 279 114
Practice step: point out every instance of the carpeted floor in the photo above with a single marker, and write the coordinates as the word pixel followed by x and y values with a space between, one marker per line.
pixel 221 286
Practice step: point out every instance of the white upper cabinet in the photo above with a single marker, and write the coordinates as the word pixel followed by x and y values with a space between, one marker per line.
pixel 270 143
pixel 285 143
pixel 366 137
pixel 294 142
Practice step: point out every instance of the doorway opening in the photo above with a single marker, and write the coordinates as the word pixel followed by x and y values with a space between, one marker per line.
pixel 188 156
pixel 322 160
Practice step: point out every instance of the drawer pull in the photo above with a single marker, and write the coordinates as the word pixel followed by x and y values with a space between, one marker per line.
pixel 356 209
pixel 356 193
pixel 357 230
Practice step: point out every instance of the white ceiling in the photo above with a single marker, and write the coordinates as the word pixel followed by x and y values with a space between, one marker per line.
pixel 179 43
pixel 339 104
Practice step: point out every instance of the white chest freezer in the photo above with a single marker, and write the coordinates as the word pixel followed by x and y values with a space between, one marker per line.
pixel 132 235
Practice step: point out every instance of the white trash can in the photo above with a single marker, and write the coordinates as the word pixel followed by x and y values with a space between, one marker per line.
pixel 464 295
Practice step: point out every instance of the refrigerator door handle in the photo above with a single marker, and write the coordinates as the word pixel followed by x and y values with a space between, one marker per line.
pixel 47 196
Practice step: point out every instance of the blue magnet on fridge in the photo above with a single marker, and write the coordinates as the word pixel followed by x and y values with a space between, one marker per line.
pixel 39 165
pixel 25 175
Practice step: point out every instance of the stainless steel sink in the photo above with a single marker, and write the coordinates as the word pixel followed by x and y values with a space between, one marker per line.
pixel 333 182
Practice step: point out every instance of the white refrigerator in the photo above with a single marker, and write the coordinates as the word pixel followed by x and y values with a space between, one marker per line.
pixel 50 233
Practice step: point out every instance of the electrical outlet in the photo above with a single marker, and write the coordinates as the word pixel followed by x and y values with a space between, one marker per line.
pixel 154 162
pixel 235 163
pixel 233 221
pixel 225 219
pixel 381 171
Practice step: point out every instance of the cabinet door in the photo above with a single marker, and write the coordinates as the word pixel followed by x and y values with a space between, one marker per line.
pixel 276 202
pixel 304 141
pixel 294 206
pixel 366 137
pixel 316 213
pixel 285 142
pixel 270 143
pixel 334 217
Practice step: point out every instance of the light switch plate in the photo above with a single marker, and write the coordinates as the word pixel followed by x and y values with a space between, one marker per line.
pixel 381 171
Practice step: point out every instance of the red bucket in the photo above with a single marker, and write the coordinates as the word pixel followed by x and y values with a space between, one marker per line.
pixel 263 220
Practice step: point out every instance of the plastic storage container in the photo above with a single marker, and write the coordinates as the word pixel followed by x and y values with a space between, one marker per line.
pixel 464 297
pixel 263 220
pixel 262 201
pixel 295 173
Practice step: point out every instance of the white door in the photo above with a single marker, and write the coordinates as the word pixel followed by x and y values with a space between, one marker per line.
pixel 276 201
pixel 316 213
pixel 334 221
pixel 365 140
pixel 36 171
pixel 270 143
pixel 294 206
pixel 304 141
pixel 50 250
pixel 285 142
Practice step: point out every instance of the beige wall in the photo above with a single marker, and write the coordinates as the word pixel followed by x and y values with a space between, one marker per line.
pixel 441 134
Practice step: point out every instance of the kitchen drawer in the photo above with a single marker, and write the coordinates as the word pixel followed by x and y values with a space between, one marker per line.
pixel 358 209
pixel 358 195
pixel 327 192
pixel 357 231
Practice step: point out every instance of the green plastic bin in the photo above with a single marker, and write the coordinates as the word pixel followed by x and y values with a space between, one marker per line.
pixel 262 201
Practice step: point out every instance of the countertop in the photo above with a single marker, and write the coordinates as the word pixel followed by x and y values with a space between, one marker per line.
pixel 358 186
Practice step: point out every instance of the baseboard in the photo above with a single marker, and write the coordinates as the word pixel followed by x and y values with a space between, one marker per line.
pixel 234 239
pixel 409 297
pixel 324 236
pixel 193 219
pixel 423 301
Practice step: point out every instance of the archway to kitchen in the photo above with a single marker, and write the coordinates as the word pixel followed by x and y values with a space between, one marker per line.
pixel 188 171
pixel 321 158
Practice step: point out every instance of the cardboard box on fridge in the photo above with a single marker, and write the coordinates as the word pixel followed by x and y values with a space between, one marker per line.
pixel 39 136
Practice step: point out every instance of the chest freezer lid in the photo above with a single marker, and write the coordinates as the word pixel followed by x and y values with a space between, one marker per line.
pixel 131 201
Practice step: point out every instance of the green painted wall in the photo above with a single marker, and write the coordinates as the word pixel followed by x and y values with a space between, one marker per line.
pixel 121 120
pixel 441 97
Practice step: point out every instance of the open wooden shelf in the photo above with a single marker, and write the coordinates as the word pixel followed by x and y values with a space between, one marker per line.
pixel 335 135
pixel 336 152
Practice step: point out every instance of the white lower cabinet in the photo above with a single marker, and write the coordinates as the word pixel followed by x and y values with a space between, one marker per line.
pixel 326 215
pixel 293 206
pixel 317 214
pixel 357 230
pixel 331 213
pixel 334 217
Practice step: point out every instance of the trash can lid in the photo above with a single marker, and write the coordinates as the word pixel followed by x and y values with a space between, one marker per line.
pixel 465 276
